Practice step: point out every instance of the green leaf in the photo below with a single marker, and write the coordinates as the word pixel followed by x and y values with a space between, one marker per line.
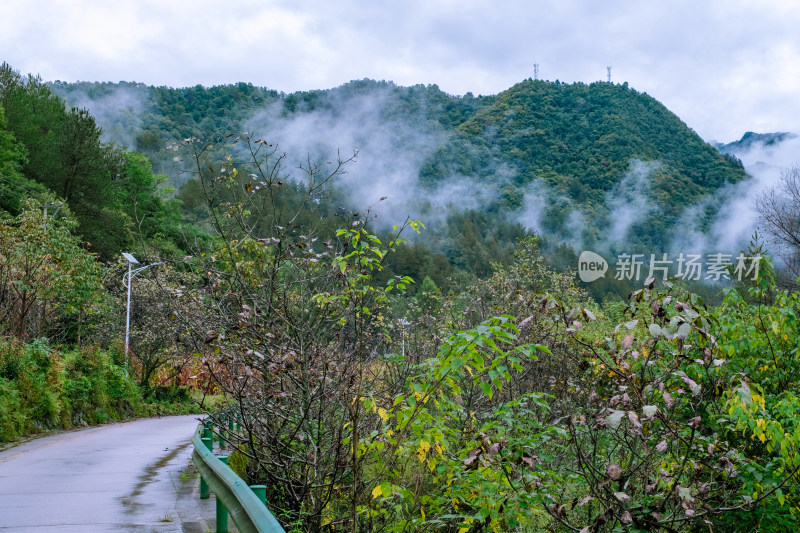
pixel 632 324
pixel 614 418
pixel 745 394
pixel 649 410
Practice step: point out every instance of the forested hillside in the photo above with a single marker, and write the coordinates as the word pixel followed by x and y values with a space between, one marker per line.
pixel 52 151
pixel 578 142
pixel 69 204
pixel 387 376
pixel 600 166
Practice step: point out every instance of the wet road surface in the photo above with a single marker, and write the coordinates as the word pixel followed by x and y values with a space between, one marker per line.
pixel 131 477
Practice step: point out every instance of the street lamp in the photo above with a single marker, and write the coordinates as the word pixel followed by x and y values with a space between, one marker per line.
pixel 403 325
pixel 126 280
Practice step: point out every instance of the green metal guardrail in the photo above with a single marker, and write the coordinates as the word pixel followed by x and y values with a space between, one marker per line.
pixel 234 496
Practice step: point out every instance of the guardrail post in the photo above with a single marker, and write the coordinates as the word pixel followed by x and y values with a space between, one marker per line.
pixel 208 433
pixel 204 491
pixel 261 492
pixel 234 499
pixel 222 513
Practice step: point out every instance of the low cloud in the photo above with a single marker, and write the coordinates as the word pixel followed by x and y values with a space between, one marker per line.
pixel 392 147
pixel 629 202
pixel 117 111
pixel 737 218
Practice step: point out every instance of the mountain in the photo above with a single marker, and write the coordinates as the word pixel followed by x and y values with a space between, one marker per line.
pixel 597 151
pixel 751 140
pixel 599 165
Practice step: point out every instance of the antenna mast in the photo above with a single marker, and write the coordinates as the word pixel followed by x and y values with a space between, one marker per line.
pixel 609 74
pixel 536 71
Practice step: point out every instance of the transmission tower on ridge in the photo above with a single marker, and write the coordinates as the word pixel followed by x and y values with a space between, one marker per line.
pixel 536 71
pixel 609 74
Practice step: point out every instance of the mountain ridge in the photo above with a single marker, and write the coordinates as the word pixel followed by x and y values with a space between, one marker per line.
pixel 551 157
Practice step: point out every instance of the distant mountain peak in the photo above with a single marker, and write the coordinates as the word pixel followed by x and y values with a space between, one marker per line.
pixel 751 139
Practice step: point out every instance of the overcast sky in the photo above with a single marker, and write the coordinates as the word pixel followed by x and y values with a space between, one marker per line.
pixel 723 66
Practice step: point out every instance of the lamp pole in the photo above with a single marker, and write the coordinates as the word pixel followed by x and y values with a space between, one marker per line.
pixel 127 280
pixel 403 325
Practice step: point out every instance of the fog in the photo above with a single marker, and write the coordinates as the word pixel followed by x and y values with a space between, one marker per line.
pixel 393 142
pixel 737 219
pixel 392 148
pixel 118 111
pixel 629 201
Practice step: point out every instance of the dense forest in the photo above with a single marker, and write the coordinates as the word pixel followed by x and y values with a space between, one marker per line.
pixel 597 166
pixel 408 374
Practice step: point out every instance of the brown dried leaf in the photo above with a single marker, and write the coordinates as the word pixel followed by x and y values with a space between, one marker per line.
pixel 622 497
pixel 668 400
pixel 613 471
pixel 627 341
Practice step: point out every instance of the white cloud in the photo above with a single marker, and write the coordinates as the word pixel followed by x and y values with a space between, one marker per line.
pixel 628 202
pixel 723 66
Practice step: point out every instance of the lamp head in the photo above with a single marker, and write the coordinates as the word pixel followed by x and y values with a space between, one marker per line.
pixel 130 258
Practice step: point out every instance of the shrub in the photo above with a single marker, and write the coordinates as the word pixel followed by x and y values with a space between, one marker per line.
pixel 13 422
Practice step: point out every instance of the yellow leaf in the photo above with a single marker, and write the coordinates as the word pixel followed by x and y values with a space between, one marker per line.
pixel 422 511
pixel 422 451
pixel 376 491
pixel 382 413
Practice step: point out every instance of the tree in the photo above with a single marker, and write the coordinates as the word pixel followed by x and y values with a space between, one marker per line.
pixel 155 220
pixel 779 211
pixel 290 324
pixel 48 282
pixel 14 187
pixel 160 343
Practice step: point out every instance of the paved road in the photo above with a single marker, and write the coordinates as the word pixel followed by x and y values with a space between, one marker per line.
pixel 129 477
